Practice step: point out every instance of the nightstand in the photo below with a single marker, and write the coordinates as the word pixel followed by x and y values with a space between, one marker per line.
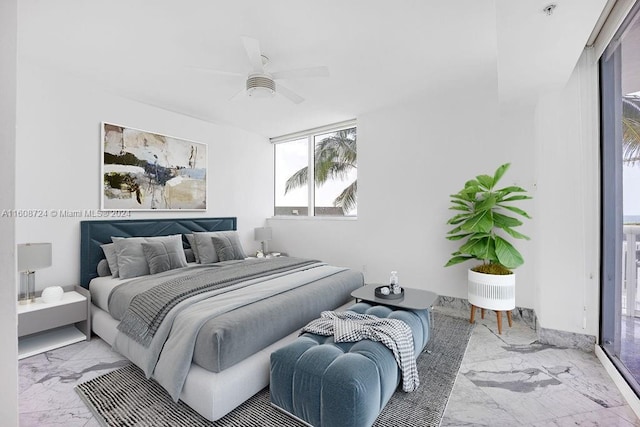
pixel 46 326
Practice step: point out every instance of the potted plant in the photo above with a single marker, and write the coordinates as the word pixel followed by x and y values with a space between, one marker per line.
pixel 483 224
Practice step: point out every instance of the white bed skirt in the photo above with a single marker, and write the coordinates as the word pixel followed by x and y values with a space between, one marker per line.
pixel 212 394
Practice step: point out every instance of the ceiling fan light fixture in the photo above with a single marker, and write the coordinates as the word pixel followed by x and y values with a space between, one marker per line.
pixel 260 86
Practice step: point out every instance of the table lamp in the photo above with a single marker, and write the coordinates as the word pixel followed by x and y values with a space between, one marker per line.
pixel 31 257
pixel 263 234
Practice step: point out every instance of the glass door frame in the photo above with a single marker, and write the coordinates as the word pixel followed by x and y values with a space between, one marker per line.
pixel 611 281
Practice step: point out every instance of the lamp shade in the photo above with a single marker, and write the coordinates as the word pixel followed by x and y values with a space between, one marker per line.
pixel 262 234
pixel 33 256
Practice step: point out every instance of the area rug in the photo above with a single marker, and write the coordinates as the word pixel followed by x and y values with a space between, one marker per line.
pixel 125 398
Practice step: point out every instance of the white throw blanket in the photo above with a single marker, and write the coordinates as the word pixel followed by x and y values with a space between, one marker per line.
pixel 349 326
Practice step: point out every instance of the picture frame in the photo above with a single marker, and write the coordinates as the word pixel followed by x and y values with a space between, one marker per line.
pixel 147 171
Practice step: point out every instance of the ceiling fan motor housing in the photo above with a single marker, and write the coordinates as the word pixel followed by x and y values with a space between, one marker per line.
pixel 260 85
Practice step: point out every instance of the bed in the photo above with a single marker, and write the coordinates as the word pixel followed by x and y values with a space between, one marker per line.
pixel 238 311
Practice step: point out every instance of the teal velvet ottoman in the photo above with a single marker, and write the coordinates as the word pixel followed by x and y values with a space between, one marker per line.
pixel 329 384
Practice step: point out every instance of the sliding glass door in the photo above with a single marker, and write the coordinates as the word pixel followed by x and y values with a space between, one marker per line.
pixel 620 131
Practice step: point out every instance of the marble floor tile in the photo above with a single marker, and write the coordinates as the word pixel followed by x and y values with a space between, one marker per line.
pixel 512 379
pixel 507 379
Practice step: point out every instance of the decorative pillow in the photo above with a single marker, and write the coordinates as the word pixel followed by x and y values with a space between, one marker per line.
pixel 109 250
pixel 228 247
pixel 192 243
pixel 131 259
pixel 190 255
pixel 164 255
pixel 103 268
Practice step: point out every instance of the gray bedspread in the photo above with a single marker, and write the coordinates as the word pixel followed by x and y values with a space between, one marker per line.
pixel 168 356
pixel 147 309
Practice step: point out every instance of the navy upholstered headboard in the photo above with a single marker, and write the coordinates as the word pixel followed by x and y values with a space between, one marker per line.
pixel 96 233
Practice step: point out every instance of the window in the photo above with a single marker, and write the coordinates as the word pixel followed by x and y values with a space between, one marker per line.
pixel 327 157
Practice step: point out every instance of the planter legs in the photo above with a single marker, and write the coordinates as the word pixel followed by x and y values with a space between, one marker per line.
pixel 498 317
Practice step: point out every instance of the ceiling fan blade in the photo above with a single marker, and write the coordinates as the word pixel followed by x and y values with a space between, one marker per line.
pixel 289 94
pixel 302 73
pixel 252 46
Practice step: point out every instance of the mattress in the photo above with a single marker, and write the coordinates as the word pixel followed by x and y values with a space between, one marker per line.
pixel 233 336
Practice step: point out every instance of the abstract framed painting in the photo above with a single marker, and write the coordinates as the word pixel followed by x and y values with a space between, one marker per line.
pixel 147 171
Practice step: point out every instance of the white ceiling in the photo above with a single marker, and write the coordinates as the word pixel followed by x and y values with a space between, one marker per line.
pixel 379 52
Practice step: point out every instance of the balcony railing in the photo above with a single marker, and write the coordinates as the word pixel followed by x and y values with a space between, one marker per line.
pixel 630 259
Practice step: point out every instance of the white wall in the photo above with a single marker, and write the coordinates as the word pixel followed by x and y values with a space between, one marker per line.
pixel 58 163
pixel 410 158
pixel 8 294
pixel 567 223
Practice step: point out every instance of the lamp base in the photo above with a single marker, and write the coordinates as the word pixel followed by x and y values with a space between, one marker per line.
pixel 27 293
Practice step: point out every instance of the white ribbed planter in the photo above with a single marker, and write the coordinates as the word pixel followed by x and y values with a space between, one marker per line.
pixel 492 291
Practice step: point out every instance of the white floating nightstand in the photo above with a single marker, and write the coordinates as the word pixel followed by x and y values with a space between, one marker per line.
pixel 44 326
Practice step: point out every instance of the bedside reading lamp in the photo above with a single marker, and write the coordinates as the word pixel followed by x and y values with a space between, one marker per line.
pixel 263 234
pixel 31 256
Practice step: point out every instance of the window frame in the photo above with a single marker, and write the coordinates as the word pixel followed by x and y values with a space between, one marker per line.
pixel 309 135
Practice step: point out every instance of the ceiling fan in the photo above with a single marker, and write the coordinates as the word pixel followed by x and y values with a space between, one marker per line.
pixel 261 83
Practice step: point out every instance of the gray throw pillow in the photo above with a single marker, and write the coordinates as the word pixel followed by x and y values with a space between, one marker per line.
pixel 103 268
pixel 131 259
pixel 204 246
pixel 109 250
pixel 192 243
pixel 228 247
pixel 190 255
pixel 164 255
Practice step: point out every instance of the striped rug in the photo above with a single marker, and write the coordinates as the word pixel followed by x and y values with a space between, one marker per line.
pixel 124 397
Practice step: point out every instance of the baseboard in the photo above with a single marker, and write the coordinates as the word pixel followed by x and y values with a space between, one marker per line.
pixel 528 316
pixel 629 395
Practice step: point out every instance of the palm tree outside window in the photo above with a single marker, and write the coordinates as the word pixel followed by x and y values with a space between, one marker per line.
pixel 332 164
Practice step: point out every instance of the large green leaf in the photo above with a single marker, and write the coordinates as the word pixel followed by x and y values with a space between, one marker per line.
pixel 464 197
pixel 511 189
pixel 503 221
pixel 499 172
pixel 459 236
pixel 507 255
pixel 478 248
pixel 482 222
pixel 486 204
pixel 455 230
pixel 458 259
pixel 513 233
pixel 460 202
pixel 486 181
pixel 516 210
pixel 458 219
pixel 512 198
pixel 483 249
pixel 476 236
